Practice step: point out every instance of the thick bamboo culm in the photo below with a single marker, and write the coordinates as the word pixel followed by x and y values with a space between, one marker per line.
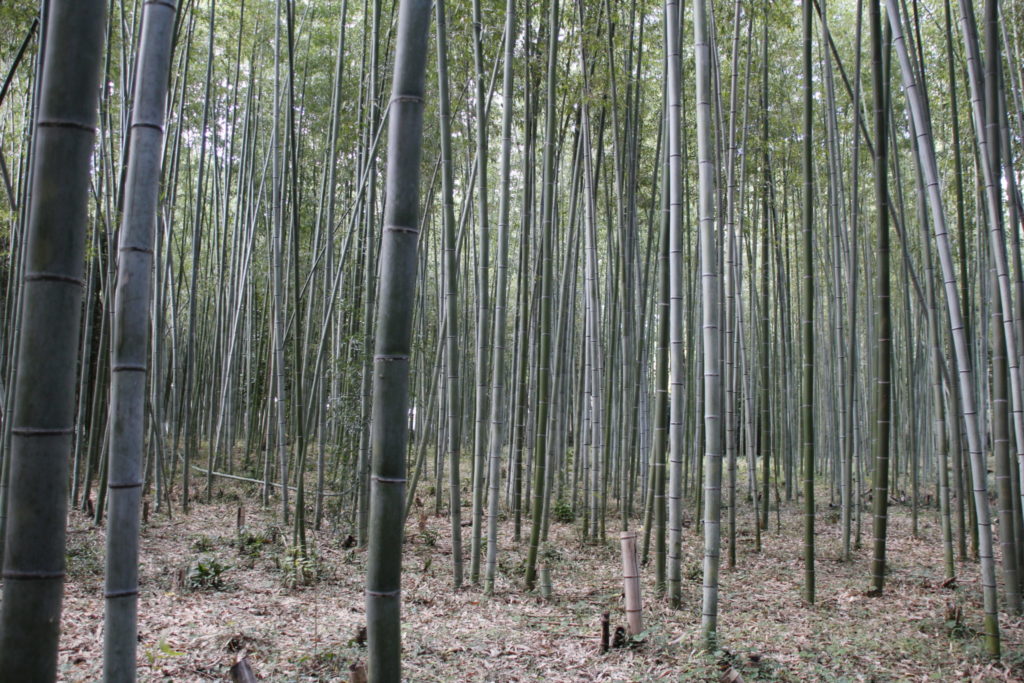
pixel 631 581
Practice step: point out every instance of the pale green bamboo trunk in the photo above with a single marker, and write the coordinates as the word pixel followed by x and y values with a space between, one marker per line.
pixel 500 305
pixel 675 269
pixel 483 301
pixel 712 386
pixel 450 270
pixel 544 350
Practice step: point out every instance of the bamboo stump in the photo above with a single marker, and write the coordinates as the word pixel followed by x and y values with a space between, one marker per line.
pixel 605 632
pixel 545 582
pixel 242 672
pixel 631 579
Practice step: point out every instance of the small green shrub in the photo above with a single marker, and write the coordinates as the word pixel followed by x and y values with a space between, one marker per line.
pixel 82 556
pixel 159 651
pixel 324 665
pixel 550 554
pixel 201 543
pixel 250 543
pixel 300 569
pixel 428 537
pixel 272 533
pixel 562 512
pixel 206 574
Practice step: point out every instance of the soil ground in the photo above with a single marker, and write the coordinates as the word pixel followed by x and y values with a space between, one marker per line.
pixel 301 623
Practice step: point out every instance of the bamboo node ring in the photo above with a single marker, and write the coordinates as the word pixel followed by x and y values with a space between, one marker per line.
pixel 129 367
pixel 41 276
pixel 402 228
pixel 32 576
pixel 145 124
pixel 388 480
pixel 73 125
pixel 34 431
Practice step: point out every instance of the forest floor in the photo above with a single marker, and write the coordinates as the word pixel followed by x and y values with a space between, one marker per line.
pixel 302 624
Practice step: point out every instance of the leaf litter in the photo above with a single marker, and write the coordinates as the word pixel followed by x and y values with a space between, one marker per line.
pixel 305 625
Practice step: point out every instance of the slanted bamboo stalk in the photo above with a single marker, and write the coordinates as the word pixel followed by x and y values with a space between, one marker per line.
pixel 929 170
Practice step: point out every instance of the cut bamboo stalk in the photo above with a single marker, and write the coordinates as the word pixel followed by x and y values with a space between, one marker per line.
pixel 605 629
pixel 545 582
pixel 631 579
pixel 242 672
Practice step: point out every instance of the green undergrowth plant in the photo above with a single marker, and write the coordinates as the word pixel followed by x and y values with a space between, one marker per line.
pixel 300 568
pixel 207 574
pixel 201 543
pixel 562 512
pixel 428 537
pixel 82 557
pixel 251 543
pixel 160 651
pixel 326 664
pixel 550 554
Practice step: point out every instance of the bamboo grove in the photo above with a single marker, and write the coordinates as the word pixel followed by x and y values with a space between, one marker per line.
pixel 654 267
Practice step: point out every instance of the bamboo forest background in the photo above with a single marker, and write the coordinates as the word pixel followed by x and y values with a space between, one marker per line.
pixel 686 257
